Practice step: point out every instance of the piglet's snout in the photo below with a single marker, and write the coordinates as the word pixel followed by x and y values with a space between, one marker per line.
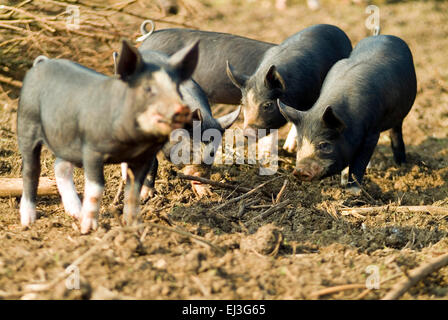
pixel 308 172
pixel 181 115
pixel 303 174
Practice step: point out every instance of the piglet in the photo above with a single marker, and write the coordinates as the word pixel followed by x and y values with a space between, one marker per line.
pixel 88 119
pixel 293 72
pixel 371 91
pixel 216 48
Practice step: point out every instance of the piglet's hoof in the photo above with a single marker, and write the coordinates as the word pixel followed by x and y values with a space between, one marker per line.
pixel 131 221
pixel 344 177
pixel 147 193
pixel 73 209
pixel 88 224
pixel 74 214
pixel 131 215
pixel 354 190
pixel 27 216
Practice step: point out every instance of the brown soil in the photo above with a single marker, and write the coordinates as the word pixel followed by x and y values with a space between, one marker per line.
pixel 290 254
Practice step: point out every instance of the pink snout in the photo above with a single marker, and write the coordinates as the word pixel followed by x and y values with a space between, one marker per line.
pixel 180 108
pixel 181 115
pixel 308 172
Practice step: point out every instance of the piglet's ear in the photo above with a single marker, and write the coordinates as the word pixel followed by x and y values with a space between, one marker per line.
pixel 238 81
pixel 130 61
pixel 227 120
pixel 274 80
pixel 290 114
pixel 186 60
pixel 332 121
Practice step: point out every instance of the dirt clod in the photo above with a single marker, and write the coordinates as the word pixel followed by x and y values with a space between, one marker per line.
pixel 265 241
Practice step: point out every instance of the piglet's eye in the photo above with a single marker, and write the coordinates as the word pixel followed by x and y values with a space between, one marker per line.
pixel 325 147
pixel 267 105
pixel 148 90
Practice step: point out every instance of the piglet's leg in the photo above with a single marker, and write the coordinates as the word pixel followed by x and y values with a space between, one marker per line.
pixel 124 171
pixel 148 190
pixel 344 177
pixel 359 164
pixel 134 182
pixel 397 144
pixel 291 141
pixel 63 171
pixel 30 175
pixel 93 190
pixel 345 173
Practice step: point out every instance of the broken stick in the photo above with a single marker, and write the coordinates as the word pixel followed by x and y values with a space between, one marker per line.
pixel 13 187
pixel 10 81
pixel 270 211
pixel 252 191
pixel 402 209
pixel 214 183
pixel 415 276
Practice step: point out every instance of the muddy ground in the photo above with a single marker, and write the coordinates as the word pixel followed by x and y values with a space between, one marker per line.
pixel 291 254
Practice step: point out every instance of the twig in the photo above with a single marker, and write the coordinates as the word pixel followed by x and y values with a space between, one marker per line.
pixel 269 211
pixel 362 189
pixel 144 233
pixel 330 210
pixel 402 209
pixel 8 15
pixel 94 35
pixel 201 287
pixel 7 26
pixel 282 190
pixel 415 276
pixel 131 200
pixel 4 43
pixel 186 234
pixel 367 291
pixel 10 81
pixel 124 4
pixel 345 287
pixel 335 289
pixel 260 206
pixel 17 21
pixel 41 21
pixel 213 183
pixel 244 205
pixel 98 6
pixel 245 195
pixel 13 187
pixel 117 196
pixel 241 209
pixel 234 188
